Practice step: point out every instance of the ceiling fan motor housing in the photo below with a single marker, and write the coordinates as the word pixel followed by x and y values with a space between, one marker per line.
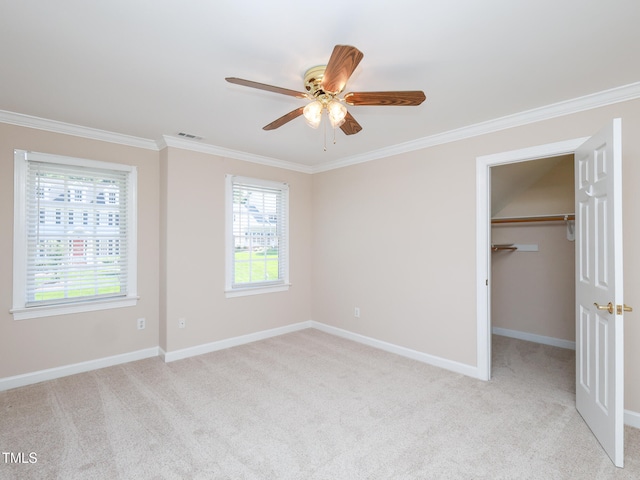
pixel 313 80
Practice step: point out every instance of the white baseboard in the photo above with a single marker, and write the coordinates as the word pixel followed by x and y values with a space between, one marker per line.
pixel 469 370
pixel 531 337
pixel 231 342
pixel 59 372
pixel 632 418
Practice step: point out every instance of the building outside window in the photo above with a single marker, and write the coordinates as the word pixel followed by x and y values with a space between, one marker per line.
pixel 257 236
pixel 74 236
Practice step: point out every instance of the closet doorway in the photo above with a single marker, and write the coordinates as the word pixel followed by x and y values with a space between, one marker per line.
pixel 533 254
pixel 484 254
pixel 599 393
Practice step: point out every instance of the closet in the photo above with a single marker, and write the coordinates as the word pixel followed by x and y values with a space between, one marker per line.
pixel 533 254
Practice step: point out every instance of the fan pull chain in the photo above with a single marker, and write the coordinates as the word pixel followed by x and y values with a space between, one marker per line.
pixel 324 129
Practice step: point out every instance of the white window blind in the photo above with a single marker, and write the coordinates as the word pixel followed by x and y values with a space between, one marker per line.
pixel 257 233
pixel 77 231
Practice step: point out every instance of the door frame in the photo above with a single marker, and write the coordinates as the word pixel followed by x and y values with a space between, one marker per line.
pixel 483 235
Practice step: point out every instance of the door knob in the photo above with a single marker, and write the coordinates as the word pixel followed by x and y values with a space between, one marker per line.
pixel 608 307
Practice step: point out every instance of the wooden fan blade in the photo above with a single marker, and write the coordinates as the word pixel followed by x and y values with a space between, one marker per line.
pixel 342 63
pixel 284 119
pixel 264 86
pixel 350 126
pixel 406 98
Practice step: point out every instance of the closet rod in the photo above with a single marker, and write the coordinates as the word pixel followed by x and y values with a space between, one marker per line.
pixel 537 218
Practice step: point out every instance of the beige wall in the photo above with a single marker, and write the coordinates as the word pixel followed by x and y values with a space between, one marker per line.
pixel 396 237
pixel 551 194
pixel 194 252
pixel 43 343
pixel 534 292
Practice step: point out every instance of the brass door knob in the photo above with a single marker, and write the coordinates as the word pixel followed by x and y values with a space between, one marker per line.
pixel 608 307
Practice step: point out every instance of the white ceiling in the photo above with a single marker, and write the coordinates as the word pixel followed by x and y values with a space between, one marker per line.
pixel 153 68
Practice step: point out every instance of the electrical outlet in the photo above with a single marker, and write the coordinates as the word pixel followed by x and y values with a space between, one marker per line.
pixel 182 322
pixel 356 312
pixel 141 323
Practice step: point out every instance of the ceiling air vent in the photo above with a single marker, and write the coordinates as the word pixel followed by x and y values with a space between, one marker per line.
pixel 189 136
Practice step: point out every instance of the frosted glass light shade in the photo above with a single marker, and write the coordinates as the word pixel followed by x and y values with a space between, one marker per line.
pixel 313 113
pixel 337 113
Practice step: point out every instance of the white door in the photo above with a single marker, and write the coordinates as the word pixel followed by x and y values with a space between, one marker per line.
pixel 599 294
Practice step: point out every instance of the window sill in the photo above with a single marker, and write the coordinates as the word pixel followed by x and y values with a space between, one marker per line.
pixel 243 292
pixel 24 313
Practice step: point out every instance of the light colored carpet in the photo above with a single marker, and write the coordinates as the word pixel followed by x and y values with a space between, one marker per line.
pixel 309 406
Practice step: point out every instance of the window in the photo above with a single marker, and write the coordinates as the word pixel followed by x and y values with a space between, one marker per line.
pixel 257 236
pixel 74 235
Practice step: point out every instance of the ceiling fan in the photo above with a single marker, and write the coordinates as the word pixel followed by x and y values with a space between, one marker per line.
pixel 324 84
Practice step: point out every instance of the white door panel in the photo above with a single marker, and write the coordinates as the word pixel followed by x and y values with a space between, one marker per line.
pixel 599 329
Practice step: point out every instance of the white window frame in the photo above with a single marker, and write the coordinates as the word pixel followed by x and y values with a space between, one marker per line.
pixel 282 284
pixel 20 309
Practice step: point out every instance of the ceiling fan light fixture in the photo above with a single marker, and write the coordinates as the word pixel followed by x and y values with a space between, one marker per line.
pixel 323 84
pixel 313 113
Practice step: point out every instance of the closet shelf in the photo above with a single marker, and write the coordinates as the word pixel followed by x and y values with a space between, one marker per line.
pixel 497 248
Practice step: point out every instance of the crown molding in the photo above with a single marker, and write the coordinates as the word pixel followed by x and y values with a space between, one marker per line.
pixel 195 146
pixel 567 107
pixel 55 126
